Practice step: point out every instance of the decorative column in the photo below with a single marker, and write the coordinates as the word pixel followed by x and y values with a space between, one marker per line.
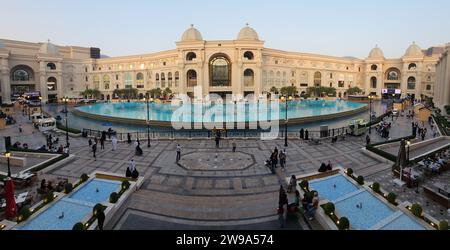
pixel 43 81
pixel 4 77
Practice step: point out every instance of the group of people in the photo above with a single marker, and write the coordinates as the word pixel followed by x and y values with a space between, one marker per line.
pixel 438 162
pixel 304 134
pixel 131 171
pixel 276 157
pixel 47 186
pixel 309 202
pixel 383 129
pixel 325 167
pixel 418 131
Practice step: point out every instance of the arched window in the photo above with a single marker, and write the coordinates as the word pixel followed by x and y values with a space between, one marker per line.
pixel 139 78
pixel 157 77
pixel 22 73
pixel 317 79
pixel 163 80
pixel 393 74
pixel 51 84
pixel 106 80
pixel 331 84
pixel 271 78
pixel 220 70
pixel 373 82
pixel 128 80
pixel 169 78
pixel 249 55
pixel 249 78
pixel 412 66
pixel 428 87
pixel 190 56
pixel 411 82
pixel 374 67
pixel 191 78
pixel 51 66
pixel 177 78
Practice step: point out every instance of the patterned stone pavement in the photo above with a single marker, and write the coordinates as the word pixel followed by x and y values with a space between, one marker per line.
pixel 197 193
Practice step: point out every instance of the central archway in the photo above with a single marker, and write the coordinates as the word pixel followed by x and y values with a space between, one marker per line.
pixel 220 71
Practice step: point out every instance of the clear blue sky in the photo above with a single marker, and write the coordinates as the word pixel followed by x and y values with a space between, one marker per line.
pixel 330 27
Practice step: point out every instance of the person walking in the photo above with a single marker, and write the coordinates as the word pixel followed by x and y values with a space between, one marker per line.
pixel 94 150
pixel 114 143
pixel 282 159
pixel 217 141
pixel 367 139
pixel 178 152
pixel 233 144
pixel 102 143
pixel 129 138
pixel 20 128
pixel 90 142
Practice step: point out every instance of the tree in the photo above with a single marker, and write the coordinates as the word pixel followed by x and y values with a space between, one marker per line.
pixel 274 90
pixel 319 91
pixel 289 91
pixel 91 93
pixel 127 93
pixel 167 92
pixel 155 93
pixel 354 90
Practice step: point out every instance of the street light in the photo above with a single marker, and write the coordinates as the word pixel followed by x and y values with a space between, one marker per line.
pixel 65 100
pixel 370 114
pixel 147 100
pixel 408 143
pixel 40 104
pixel 8 155
pixel 286 119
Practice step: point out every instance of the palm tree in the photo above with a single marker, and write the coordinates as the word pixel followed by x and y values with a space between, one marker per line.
pixel 155 93
pixel 274 90
pixel 289 91
pixel 166 93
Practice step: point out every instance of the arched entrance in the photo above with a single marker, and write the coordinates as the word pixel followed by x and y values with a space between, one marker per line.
pixel 220 71
pixel 22 80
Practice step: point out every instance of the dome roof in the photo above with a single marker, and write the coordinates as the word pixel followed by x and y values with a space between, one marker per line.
pixel 192 34
pixel 414 51
pixel 376 53
pixel 248 33
pixel 48 48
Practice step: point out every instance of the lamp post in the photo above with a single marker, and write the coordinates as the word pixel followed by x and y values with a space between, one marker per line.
pixel 8 155
pixel 65 100
pixel 286 118
pixel 370 113
pixel 147 100
pixel 408 143
pixel 40 104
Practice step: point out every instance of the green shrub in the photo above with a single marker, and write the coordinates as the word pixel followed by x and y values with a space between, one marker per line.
pixel 84 177
pixel 113 197
pixel 376 187
pixel 329 208
pixel 68 188
pixel 24 214
pixel 416 209
pixel 391 197
pixel 49 198
pixel 304 185
pixel 79 226
pixel 343 223
pixel 125 185
pixel 443 225
pixel 360 180
pixel 97 207
pixel 349 172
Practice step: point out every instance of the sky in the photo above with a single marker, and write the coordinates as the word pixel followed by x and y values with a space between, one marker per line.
pixel 328 27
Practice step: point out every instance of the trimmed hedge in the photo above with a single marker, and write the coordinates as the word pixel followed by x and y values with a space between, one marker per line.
pixel 78 227
pixel 360 180
pixel 376 187
pixel 343 223
pixel 391 197
pixel 68 188
pixel 113 197
pixel 70 130
pixel 329 208
pixel 416 209
pixel 443 225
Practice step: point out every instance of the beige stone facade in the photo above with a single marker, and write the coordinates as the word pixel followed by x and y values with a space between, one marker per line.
pixel 442 90
pixel 239 66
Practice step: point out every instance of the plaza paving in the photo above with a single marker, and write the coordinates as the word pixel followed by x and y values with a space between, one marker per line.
pixel 212 188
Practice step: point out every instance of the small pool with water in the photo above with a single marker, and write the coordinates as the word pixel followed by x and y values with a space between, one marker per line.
pixel 76 208
pixel 332 188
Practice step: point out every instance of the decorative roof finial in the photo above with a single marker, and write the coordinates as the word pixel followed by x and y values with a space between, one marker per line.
pixel 246 24
pixel 192 25
pixel 376 45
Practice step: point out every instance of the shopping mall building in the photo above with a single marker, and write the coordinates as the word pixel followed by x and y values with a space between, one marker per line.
pixel 239 66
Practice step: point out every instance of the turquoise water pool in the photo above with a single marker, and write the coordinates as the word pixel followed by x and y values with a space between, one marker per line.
pixel 76 208
pixel 363 209
pixel 96 191
pixel 201 113
pixel 333 187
